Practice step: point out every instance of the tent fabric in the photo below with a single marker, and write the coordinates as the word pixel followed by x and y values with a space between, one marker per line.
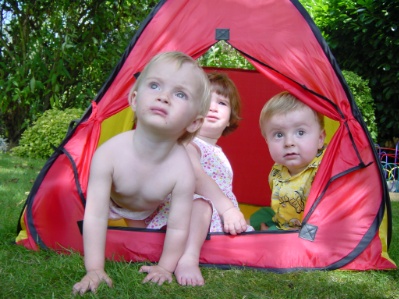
pixel 347 218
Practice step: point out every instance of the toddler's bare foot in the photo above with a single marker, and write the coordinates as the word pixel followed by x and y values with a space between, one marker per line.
pixel 188 272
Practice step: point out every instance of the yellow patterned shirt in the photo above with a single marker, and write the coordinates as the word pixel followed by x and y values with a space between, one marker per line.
pixel 289 193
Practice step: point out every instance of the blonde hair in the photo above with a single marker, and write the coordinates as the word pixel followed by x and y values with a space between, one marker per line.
pixel 282 103
pixel 180 58
pixel 222 85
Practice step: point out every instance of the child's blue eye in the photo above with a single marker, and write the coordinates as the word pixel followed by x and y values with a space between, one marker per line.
pixel 301 133
pixel 279 135
pixel 154 85
pixel 181 95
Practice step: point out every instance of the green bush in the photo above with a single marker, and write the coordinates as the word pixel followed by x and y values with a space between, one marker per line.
pixel 223 55
pixel 362 94
pixel 49 130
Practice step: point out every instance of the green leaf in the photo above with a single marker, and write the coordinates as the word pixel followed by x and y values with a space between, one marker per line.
pixel 32 84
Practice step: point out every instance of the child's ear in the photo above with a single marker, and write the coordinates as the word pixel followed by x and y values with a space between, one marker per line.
pixel 132 99
pixel 196 124
pixel 322 137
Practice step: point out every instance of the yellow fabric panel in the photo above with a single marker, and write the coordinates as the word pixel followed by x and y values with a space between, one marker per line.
pixel 22 235
pixel 117 123
pixel 383 233
pixel 331 127
pixel 120 222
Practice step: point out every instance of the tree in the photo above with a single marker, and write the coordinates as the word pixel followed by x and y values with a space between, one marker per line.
pixel 364 38
pixel 57 54
pixel 222 54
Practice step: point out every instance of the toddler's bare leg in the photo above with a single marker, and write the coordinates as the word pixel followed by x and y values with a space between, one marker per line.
pixel 187 271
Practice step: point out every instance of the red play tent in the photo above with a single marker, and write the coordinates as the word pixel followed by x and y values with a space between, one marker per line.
pixel 347 220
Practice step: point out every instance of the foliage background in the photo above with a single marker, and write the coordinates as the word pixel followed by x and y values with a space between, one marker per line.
pixel 362 94
pixel 364 37
pixel 57 54
pixel 46 133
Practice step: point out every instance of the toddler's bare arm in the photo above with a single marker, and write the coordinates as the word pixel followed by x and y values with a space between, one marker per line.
pixel 177 226
pixel 233 220
pixel 95 226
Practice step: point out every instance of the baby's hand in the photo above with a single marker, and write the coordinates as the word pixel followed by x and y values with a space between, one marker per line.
pixel 156 274
pixel 234 221
pixel 91 281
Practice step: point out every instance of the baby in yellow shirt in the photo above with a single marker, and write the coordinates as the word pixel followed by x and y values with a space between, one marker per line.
pixel 295 136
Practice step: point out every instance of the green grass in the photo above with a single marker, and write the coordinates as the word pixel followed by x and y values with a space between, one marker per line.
pixel 46 274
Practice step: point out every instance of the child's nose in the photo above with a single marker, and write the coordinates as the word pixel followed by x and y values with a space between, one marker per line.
pixel 288 141
pixel 163 97
pixel 213 107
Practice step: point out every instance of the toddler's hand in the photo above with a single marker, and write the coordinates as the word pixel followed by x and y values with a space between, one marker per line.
pixel 156 274
pixel 91 281
pixel 234 221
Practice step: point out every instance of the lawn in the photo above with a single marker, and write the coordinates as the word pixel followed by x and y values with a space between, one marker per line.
pixel 45 274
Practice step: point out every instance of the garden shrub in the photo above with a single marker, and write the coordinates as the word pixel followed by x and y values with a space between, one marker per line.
pixel 362 95
pixel 39 140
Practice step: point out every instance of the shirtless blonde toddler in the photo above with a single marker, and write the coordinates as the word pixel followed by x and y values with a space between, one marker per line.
pixel 132 173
